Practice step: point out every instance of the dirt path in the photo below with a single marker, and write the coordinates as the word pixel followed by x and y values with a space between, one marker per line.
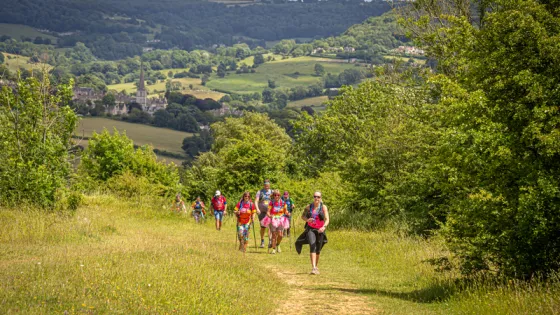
pixel 309 294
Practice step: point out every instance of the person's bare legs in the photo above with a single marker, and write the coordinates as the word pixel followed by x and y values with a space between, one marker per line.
pixel 278 238
pixel 274 236
pixel 313 257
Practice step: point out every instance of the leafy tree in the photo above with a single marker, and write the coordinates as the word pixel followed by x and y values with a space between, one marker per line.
pixel 241 154
pixel 35 138
pixel 319 69
pixel 139 116
pixel 198 144
pixel 109 99
pixel 271 84
pixel 268 95
pixel 259 59
pixel 109 155
pixel 221 71
pixel 1 58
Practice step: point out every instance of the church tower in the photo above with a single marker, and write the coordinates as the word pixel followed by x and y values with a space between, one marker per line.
pixel 141 95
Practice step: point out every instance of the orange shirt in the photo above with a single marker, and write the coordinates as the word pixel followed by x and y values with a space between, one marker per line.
pixel 245 209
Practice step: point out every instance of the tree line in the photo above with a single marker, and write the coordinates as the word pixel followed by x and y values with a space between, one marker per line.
pixel 185 25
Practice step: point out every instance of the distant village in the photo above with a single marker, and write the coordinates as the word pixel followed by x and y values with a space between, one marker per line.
pixel 88 96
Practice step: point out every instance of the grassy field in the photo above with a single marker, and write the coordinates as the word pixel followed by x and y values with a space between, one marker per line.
pixel 118 255
pixel 405 59
pixel 18 31
pixel 249 61
pixel 15 62
pixel 312 101
pixel 283 72
pixel 159 88
pixel 160 138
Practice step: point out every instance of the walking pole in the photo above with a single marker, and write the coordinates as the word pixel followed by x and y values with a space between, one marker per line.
pixel 254 233
pixel 291 227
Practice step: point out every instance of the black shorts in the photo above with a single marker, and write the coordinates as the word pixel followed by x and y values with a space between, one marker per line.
pixel 263 213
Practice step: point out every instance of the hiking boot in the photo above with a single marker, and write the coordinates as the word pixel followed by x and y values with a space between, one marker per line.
pixel 262 244
pixel 273 252
pixel 278 248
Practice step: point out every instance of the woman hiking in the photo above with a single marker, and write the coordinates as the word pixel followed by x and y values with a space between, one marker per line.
pixel 276 220
pixel 316 216
pixel 244 211
pixel 198 209
pixel 262 199
pixel 179 204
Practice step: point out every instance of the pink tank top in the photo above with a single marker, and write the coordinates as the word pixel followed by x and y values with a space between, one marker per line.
pixel 317 223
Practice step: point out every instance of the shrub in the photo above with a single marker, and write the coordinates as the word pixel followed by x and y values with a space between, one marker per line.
pixel 109 155
pixel 36 125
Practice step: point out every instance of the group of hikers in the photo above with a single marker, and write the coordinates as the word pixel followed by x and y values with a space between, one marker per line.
pixel 274 213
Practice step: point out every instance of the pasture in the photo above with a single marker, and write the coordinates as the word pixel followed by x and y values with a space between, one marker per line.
pixel 287 73
pixel 317 101
pixel 135 256
pixel 15 62
pixel 160 138
pixel 158 88
pixel 405 59
pixel 18 31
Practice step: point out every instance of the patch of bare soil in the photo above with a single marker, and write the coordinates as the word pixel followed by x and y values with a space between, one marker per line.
pixel 316 294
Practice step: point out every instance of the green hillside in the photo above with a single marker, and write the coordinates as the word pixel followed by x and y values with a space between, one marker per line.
pixel 286 73
pixel 160 138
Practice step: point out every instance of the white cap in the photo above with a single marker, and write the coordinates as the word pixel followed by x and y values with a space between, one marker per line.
pixel 218 193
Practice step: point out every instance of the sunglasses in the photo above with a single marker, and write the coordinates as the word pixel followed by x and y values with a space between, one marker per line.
pixel 316 196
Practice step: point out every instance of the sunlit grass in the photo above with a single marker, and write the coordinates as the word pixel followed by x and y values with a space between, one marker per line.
pixel 287 73
pixel 136 256
pixel 124 257
pixel 160 138
pixel 158 89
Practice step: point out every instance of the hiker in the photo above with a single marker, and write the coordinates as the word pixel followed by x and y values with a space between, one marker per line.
pixel 244 211
pixel 198 209
pixel 179 205
pixel 219 205
pixel 276 220
pixel 262 199
pixel 290 206
pixel 316 216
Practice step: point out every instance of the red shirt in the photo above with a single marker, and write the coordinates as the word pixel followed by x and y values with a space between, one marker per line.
pixel 219 203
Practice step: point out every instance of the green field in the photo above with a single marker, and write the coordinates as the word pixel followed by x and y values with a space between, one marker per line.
pixel 312 101
pixel 160 138
pixel 158 89
pixel 405 59
pixel 283 72
pixel 15 62
pixel 18 31
pixel 134 256
pixel 249 61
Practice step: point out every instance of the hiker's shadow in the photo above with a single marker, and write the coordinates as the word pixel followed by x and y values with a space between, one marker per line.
pixel 431 294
